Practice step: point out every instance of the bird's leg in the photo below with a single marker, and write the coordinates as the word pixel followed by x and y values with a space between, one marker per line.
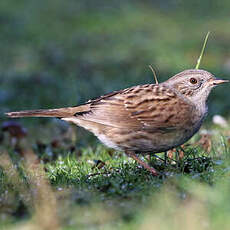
pixel 181 151
pixel 145 165
pixel 149 157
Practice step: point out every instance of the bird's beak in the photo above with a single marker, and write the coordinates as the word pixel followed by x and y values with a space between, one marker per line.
pixel 217 81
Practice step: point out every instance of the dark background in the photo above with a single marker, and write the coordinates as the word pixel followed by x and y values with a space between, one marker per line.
pixel 62 53
pixel 57 53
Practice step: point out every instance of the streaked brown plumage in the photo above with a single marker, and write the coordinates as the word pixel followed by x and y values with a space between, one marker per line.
pixel 145 118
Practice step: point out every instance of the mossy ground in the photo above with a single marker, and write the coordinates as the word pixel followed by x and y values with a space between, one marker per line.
pixel 59 53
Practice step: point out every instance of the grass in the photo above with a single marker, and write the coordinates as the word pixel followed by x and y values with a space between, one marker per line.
pixel 98 188
pixel 57 176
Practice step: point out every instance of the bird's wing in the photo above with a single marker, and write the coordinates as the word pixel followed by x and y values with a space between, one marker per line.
pixel 110 110
pixel 158 106
pixel 141 107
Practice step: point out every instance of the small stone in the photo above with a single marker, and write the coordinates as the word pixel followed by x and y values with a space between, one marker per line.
pixel 219 120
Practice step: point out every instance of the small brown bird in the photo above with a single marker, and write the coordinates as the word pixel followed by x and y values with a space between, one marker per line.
pixel 143 119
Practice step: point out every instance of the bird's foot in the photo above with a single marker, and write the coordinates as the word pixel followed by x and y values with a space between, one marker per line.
pixel 145 165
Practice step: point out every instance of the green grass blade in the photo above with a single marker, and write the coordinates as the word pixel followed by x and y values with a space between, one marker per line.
pixel 202 51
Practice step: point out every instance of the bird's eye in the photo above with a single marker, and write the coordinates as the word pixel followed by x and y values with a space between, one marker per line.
pixel 193 80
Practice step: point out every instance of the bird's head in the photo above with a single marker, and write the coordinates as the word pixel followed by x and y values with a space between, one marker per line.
pixel 194 84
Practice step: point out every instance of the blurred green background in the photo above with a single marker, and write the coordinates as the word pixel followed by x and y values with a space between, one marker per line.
pixel 56 53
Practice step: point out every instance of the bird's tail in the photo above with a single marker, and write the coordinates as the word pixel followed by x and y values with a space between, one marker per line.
pixel 61 112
